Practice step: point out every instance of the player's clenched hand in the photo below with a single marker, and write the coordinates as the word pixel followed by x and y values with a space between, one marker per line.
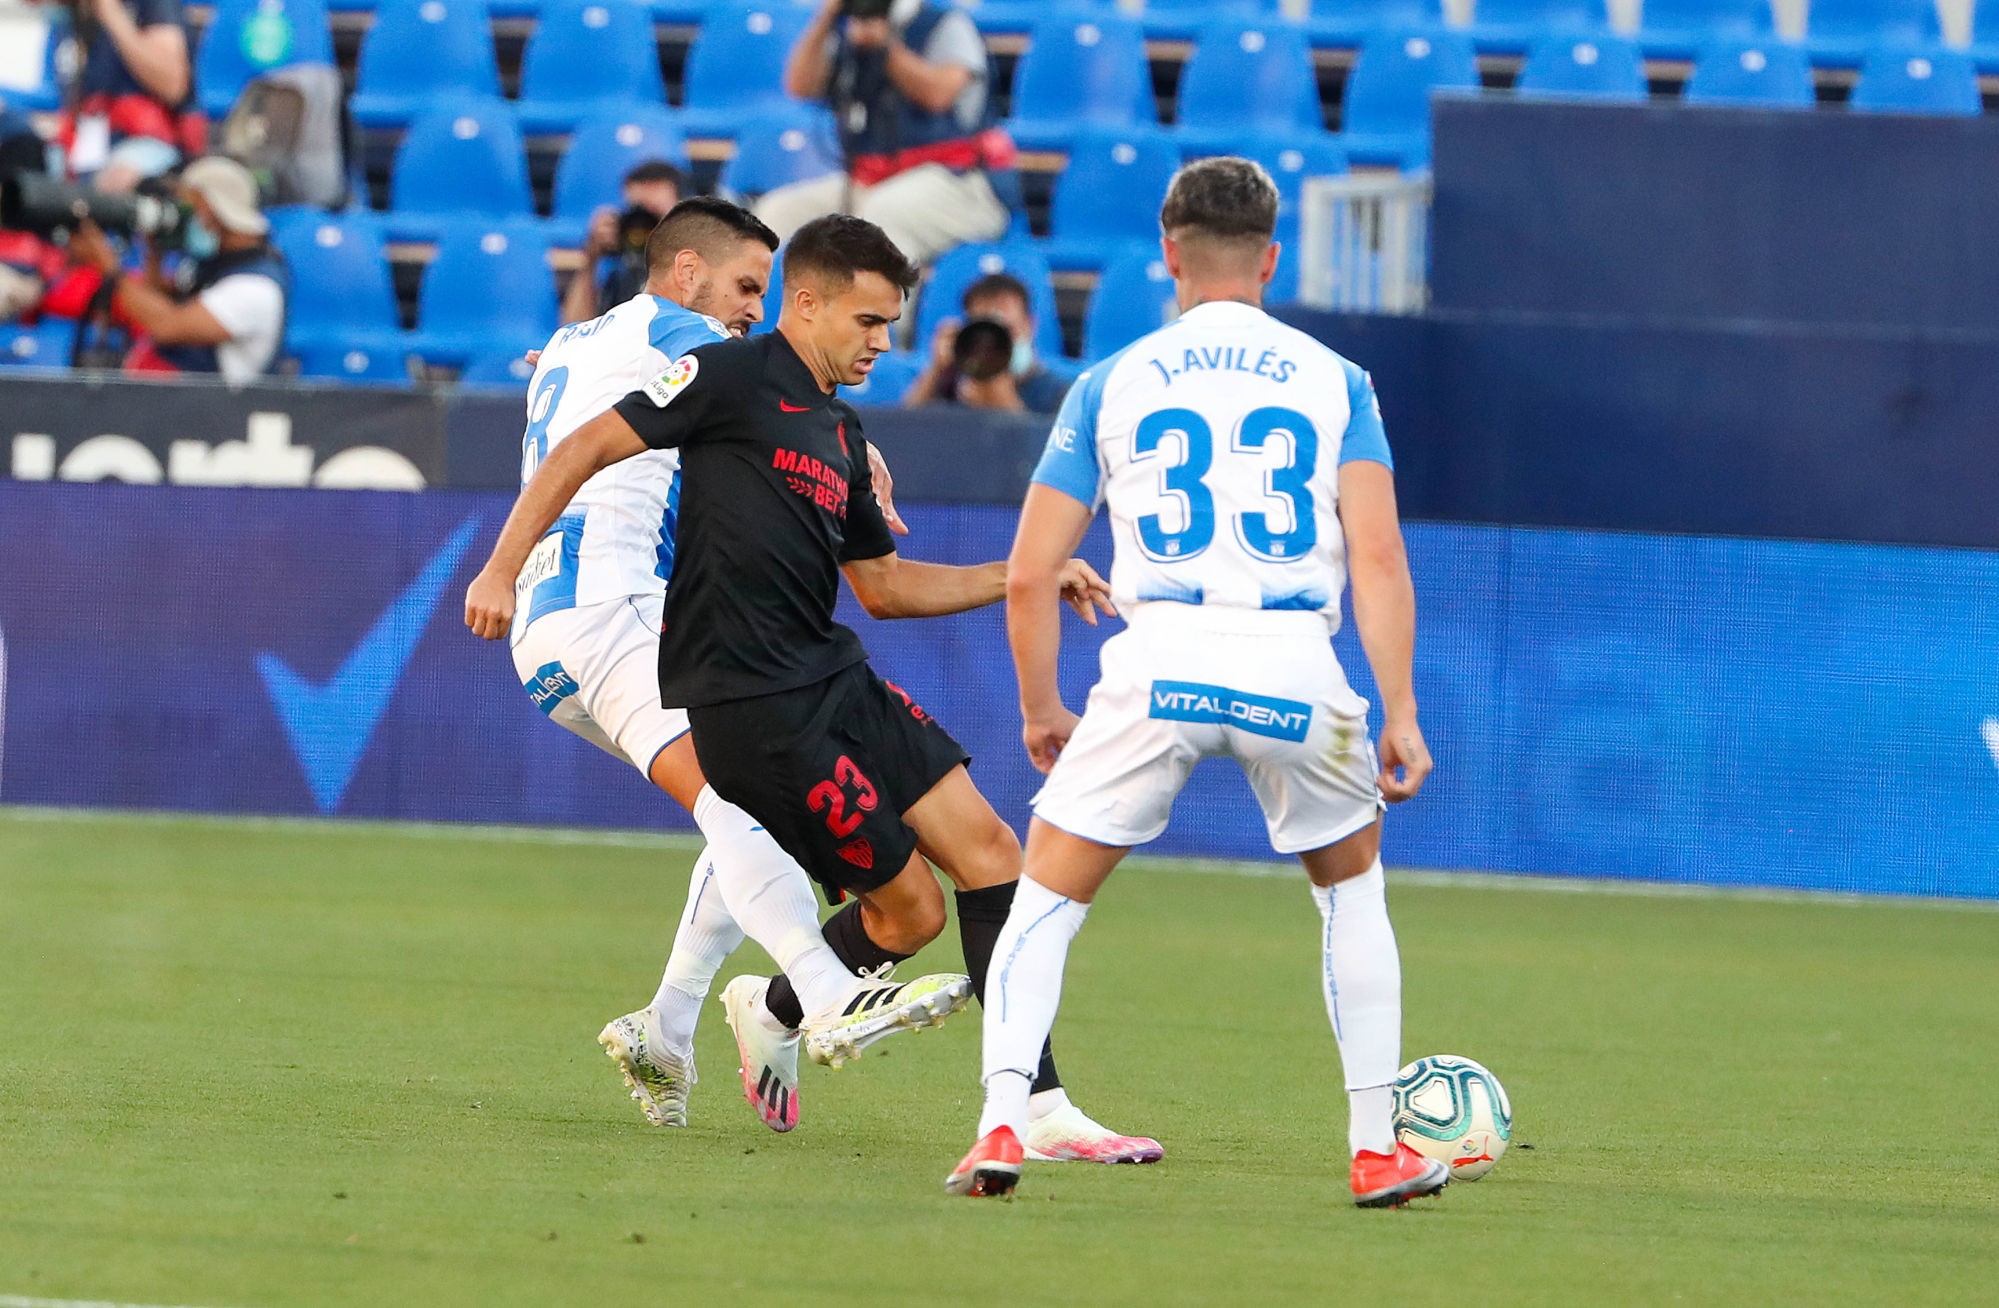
pixel 1402 747
pixel 884 488
pixel 1046 738
pixel 489 606
pixel 1084 591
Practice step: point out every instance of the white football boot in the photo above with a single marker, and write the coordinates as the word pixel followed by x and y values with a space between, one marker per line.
pixel 769 1059
pixel 659 1077
pixel 880 1008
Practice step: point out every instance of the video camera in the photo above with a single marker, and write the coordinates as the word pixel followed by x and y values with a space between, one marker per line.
pixel 44 205
pixel 864 8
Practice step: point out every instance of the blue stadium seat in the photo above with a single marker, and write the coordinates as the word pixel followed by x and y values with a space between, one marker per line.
pixel 736 66
pixel 1107 199
pixel 1386 119
pixel 1289 161
pixel 497 371
pixel 1678 29
pixel 1596 66
pixel 1021 17
pixel 342 293
pixel 584 56
pixel 605 148
pixel 1082 69
pixel 950 275
pixel 463 157
pixel 683 13
pixel 1764 74
pixel 248 38
pixel 384 364
pixel 1184 20
pixel 1344 24
pixel 1927 80
pixel 890 379
pixel 1513 26
pixel 44 345
pixel 489 291
pixel 1133 297
pixel 782 143
pixel 1842 32
pixel 1245 78
pixel 419 50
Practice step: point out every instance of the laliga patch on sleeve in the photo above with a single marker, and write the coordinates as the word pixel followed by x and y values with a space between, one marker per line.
pixel 661 389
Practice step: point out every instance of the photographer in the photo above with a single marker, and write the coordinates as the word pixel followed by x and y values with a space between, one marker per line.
pixel 908 83
pixel 225 313
pixel 988 362
pixel 130 113
pixel 651 190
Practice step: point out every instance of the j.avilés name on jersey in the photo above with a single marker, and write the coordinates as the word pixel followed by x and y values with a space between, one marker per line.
pixel 823 485
pixel 1226 358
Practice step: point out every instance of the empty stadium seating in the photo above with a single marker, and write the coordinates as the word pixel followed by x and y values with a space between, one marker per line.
pixel 601 152
pixel 497 370
pixel 419 50
pixel 1134 296
pixel 890 380
pixel 1677 29
pixel 1387 113
pixel 1511 26
pixel 736 67
pixel 782 143
pixel 341 294
pixel 462 158
pixel 1344 24
pixel 1083 69
pixel 1596 66
pixel 1843 31
pixel 247 38
pixel 1186 20
pixel 585 54
pixel 1108 198
pixel 1926 80
pixel 488 291
pixel 44 345
pixel 355 364
pixel 1246 77
pixel 950 276
pixel 1289 161
pixel 1762 74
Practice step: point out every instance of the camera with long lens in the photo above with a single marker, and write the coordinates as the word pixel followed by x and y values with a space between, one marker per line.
pixel 45 205
pixel 635 227
pixel 864 8
pixel 983 349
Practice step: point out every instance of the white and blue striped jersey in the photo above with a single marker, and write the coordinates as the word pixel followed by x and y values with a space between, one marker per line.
pixel 616 537
pixel 1216 443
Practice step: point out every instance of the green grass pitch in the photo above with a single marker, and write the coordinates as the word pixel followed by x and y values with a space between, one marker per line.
pixel 264 1064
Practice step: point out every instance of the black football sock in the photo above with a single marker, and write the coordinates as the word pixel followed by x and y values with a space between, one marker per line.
pixel 851 944
pixel 981 914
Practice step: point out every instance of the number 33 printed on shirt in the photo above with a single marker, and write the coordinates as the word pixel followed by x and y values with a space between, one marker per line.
pixel 1185 481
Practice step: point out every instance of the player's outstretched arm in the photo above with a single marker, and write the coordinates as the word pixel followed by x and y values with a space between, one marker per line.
pixel 1051 527
pixel 894 587
pixel 1384 609
pixel 596 445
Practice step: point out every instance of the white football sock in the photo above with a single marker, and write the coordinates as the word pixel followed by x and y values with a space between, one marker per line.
pixel 706 938
pixel 1022 993
pixel 770 898
pixel 1361 976
pixel 1043 1102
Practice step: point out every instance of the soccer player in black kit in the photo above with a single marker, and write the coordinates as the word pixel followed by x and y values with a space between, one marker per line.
pixel 851 777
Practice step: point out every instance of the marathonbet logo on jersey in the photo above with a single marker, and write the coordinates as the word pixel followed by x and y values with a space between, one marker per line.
pixel 661 389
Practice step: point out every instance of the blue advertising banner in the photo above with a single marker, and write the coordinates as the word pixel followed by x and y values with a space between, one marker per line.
pixel 1666 708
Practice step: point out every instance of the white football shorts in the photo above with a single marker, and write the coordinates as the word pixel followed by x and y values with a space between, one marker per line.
pixel 595 670
pixel 1182 683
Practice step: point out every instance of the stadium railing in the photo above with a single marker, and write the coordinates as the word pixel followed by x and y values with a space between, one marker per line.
pixel 1365 243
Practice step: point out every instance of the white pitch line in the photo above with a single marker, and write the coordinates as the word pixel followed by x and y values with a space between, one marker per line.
pixel 690 841
pixel 22 1301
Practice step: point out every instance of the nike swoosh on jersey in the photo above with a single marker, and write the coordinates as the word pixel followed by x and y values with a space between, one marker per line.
pixel 329 725
pixel 788 407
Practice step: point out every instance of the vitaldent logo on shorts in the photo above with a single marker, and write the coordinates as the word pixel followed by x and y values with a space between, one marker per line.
pixel 1191 701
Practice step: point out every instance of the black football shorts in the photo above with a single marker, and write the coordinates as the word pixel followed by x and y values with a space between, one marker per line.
pixel 829 769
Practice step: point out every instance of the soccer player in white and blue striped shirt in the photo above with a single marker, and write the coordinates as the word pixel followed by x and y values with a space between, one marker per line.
pixel 1248 481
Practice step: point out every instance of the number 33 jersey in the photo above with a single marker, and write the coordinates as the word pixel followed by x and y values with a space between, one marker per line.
pixel 1216 444
pixel 615 539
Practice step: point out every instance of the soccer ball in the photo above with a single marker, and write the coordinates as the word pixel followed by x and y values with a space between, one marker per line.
pixel 1455 1111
